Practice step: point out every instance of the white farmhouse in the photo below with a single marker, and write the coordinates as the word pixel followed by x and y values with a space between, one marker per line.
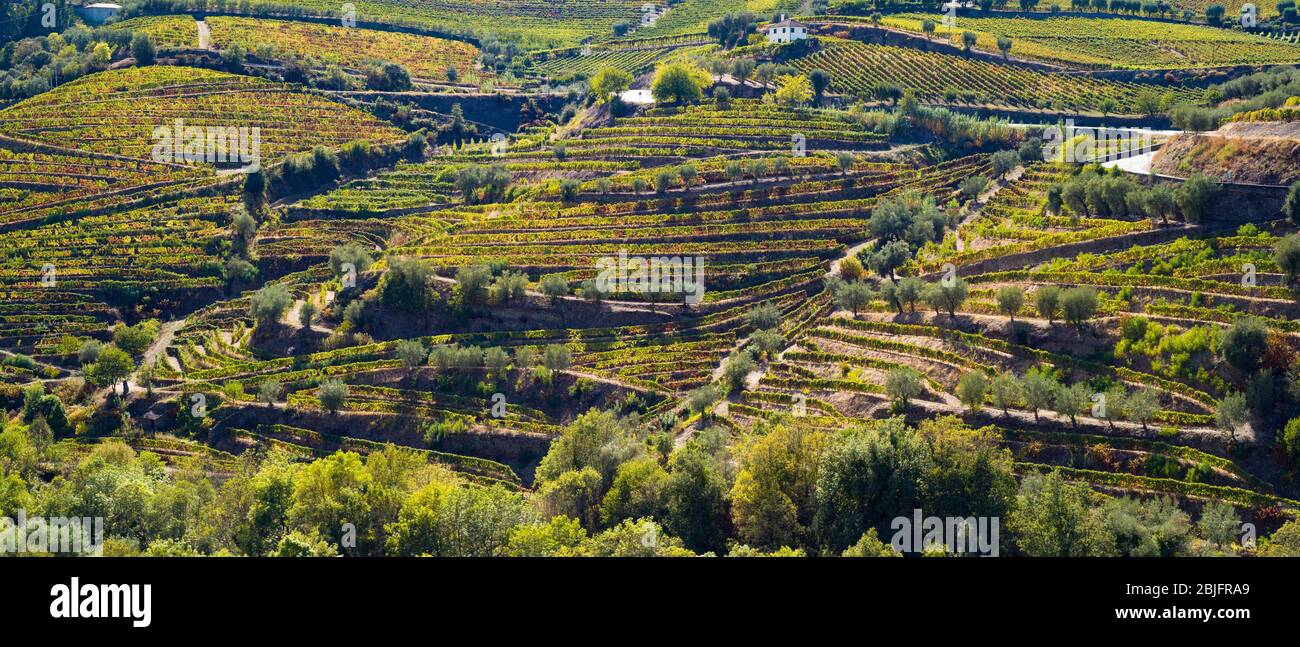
pixel 786 31
pixel 99 12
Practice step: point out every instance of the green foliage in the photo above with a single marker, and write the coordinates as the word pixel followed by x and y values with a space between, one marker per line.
pixel 268 305
pixel 1195 196
pixel 1052 518
pixel 971 389
pixel 1078 305
pixel 865 477
pixel 679 83
pixel 609 81
pixel 331 394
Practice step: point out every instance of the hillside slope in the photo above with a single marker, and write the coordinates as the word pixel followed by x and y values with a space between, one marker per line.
pixel 1256 152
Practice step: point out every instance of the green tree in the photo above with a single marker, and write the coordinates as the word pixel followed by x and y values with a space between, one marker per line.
pixel 596 439
pixel 412 353
pixel 1141 406
pixel 679 83
pixel 1151 528
pixel 1286 253
pixel 554 286
pixel 866 477
pixel 971 389
pixel 903 384
pixel 1195 196
pixel 1004 46
pixel 1047 300
pixel 574 494
pixel 135 340
pixel 1078 305
pixel 694 497
pixel 1011 299
pixel 637 491
pixel 1072 401
pixel 331 394
pixel 112 366
pixel 1243 344
pixel 737 368
pixel 821 81
pixel 793 90
pixel 1039 389
pixel 773 499
pixel 306 314
pixel 1231 414
pixel 853 295
pixel 1219 523
pixel 1291 206
pixel 1006 391
pixel 472 282
pixel 268 305
pixel 269 392
pixel 609 81
pixel 1052 519
pixel 947 295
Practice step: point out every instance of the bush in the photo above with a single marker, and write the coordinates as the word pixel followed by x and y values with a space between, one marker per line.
pixel 1289 442
pixel 764 316
pixel 389 77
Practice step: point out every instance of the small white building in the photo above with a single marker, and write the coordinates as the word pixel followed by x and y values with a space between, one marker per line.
pixel 637 97
pixel 98 13
pixel 786 31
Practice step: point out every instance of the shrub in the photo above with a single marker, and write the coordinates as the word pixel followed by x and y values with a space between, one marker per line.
pixel 764 316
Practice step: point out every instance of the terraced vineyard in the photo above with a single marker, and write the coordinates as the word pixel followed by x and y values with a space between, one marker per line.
pixel 767 316
pixel 1110 42
pixel 536 23
pixel 572 64
pixel 164 31
pixel 426 57
pixel 860 67
pixel 151 97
